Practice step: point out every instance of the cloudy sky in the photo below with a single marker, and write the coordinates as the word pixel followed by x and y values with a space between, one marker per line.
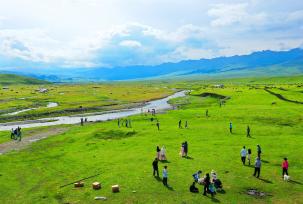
pixel 99 33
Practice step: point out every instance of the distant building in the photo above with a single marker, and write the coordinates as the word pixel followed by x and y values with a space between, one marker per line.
pixel 218 86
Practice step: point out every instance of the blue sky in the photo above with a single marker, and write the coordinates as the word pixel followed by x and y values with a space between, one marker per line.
pixel 99 33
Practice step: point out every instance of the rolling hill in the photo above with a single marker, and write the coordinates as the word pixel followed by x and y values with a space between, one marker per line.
pixel 8 79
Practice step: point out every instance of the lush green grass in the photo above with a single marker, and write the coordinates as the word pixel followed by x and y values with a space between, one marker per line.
pixel 124 155
pixel 12 79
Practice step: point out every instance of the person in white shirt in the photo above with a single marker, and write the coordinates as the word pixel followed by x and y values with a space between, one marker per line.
pixel 243 154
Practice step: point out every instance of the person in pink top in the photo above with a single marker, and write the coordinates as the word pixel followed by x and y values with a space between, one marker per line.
pixel 285 167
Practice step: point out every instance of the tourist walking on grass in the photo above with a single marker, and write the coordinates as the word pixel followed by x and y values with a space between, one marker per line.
pixel 197 175
pixel 249 156
pixel 185 148
pixel 158 125
pixel 12 134
pixel 163 154
pixel 182 150
pixel 259 150
pixel 257 167
pixel 230 127
pixel 119 122
pixel 186 125
pixel 180 124
pixel 248 131
pixel 285 167
pixel 158 152
pixel 155 167
pixel 206 184
pixel 165 176
pixel 206 113
pixel 243 154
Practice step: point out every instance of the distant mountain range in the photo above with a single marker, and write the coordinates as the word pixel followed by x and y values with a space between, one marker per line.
pixel 263 63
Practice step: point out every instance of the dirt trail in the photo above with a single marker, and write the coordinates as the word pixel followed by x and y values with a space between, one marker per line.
pixel 34 137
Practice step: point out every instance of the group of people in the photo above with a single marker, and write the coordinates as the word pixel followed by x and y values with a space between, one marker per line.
pixel 16 134
pixel 164 171
pixel 247 129
pixel 127 123
pixel 211 183
pixel 247 154
pixel 180 124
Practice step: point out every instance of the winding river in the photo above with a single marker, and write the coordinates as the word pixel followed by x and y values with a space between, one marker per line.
pixel 158 105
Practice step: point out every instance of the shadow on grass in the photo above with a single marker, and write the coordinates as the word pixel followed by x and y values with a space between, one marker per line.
pixel 295 182
pixel 170 188
pixel 158 178
pixel 215 200
pixel 264 161
pixel 188 157
pixel 164 161
pixel 250 166
pixel 221 191
pixel 265 180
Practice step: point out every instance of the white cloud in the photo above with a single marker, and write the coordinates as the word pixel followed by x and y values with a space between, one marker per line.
pixel 130 43
pixel 103 33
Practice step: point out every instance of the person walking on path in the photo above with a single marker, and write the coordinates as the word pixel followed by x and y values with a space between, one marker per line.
pixel 158 125
pixel 165 176
pixel 285 167
pixel 257 167
pixel 230 127
pixel 243 154
pixel 248 131
pixel 249 156
pixel 206 184
pixel 259 150
pixel 155 167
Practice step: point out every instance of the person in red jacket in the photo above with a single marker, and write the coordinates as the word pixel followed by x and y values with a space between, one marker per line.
pixel 285 167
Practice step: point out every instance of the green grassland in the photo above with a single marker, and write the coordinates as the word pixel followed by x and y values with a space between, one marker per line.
pixel 124 155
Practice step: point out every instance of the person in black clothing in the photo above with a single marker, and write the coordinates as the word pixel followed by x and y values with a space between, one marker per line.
pixel 193 188
pixel 158 125
pixel 206 184
pixel 185 148
pixel 155 167
pixel 249 156
pixel 206 113
pixel 180 124
pixel 248 131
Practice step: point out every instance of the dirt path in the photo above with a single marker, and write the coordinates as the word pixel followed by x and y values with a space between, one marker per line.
pixel 34 137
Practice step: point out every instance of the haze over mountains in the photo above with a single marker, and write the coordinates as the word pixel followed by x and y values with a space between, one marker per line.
pixel 263 63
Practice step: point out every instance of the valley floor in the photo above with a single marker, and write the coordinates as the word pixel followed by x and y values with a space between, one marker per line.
pixel 124 155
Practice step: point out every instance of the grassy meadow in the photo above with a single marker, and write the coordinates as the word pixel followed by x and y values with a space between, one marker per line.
pixel 124 155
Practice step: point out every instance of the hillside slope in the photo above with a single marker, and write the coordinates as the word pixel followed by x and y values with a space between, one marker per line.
pixel 8 79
